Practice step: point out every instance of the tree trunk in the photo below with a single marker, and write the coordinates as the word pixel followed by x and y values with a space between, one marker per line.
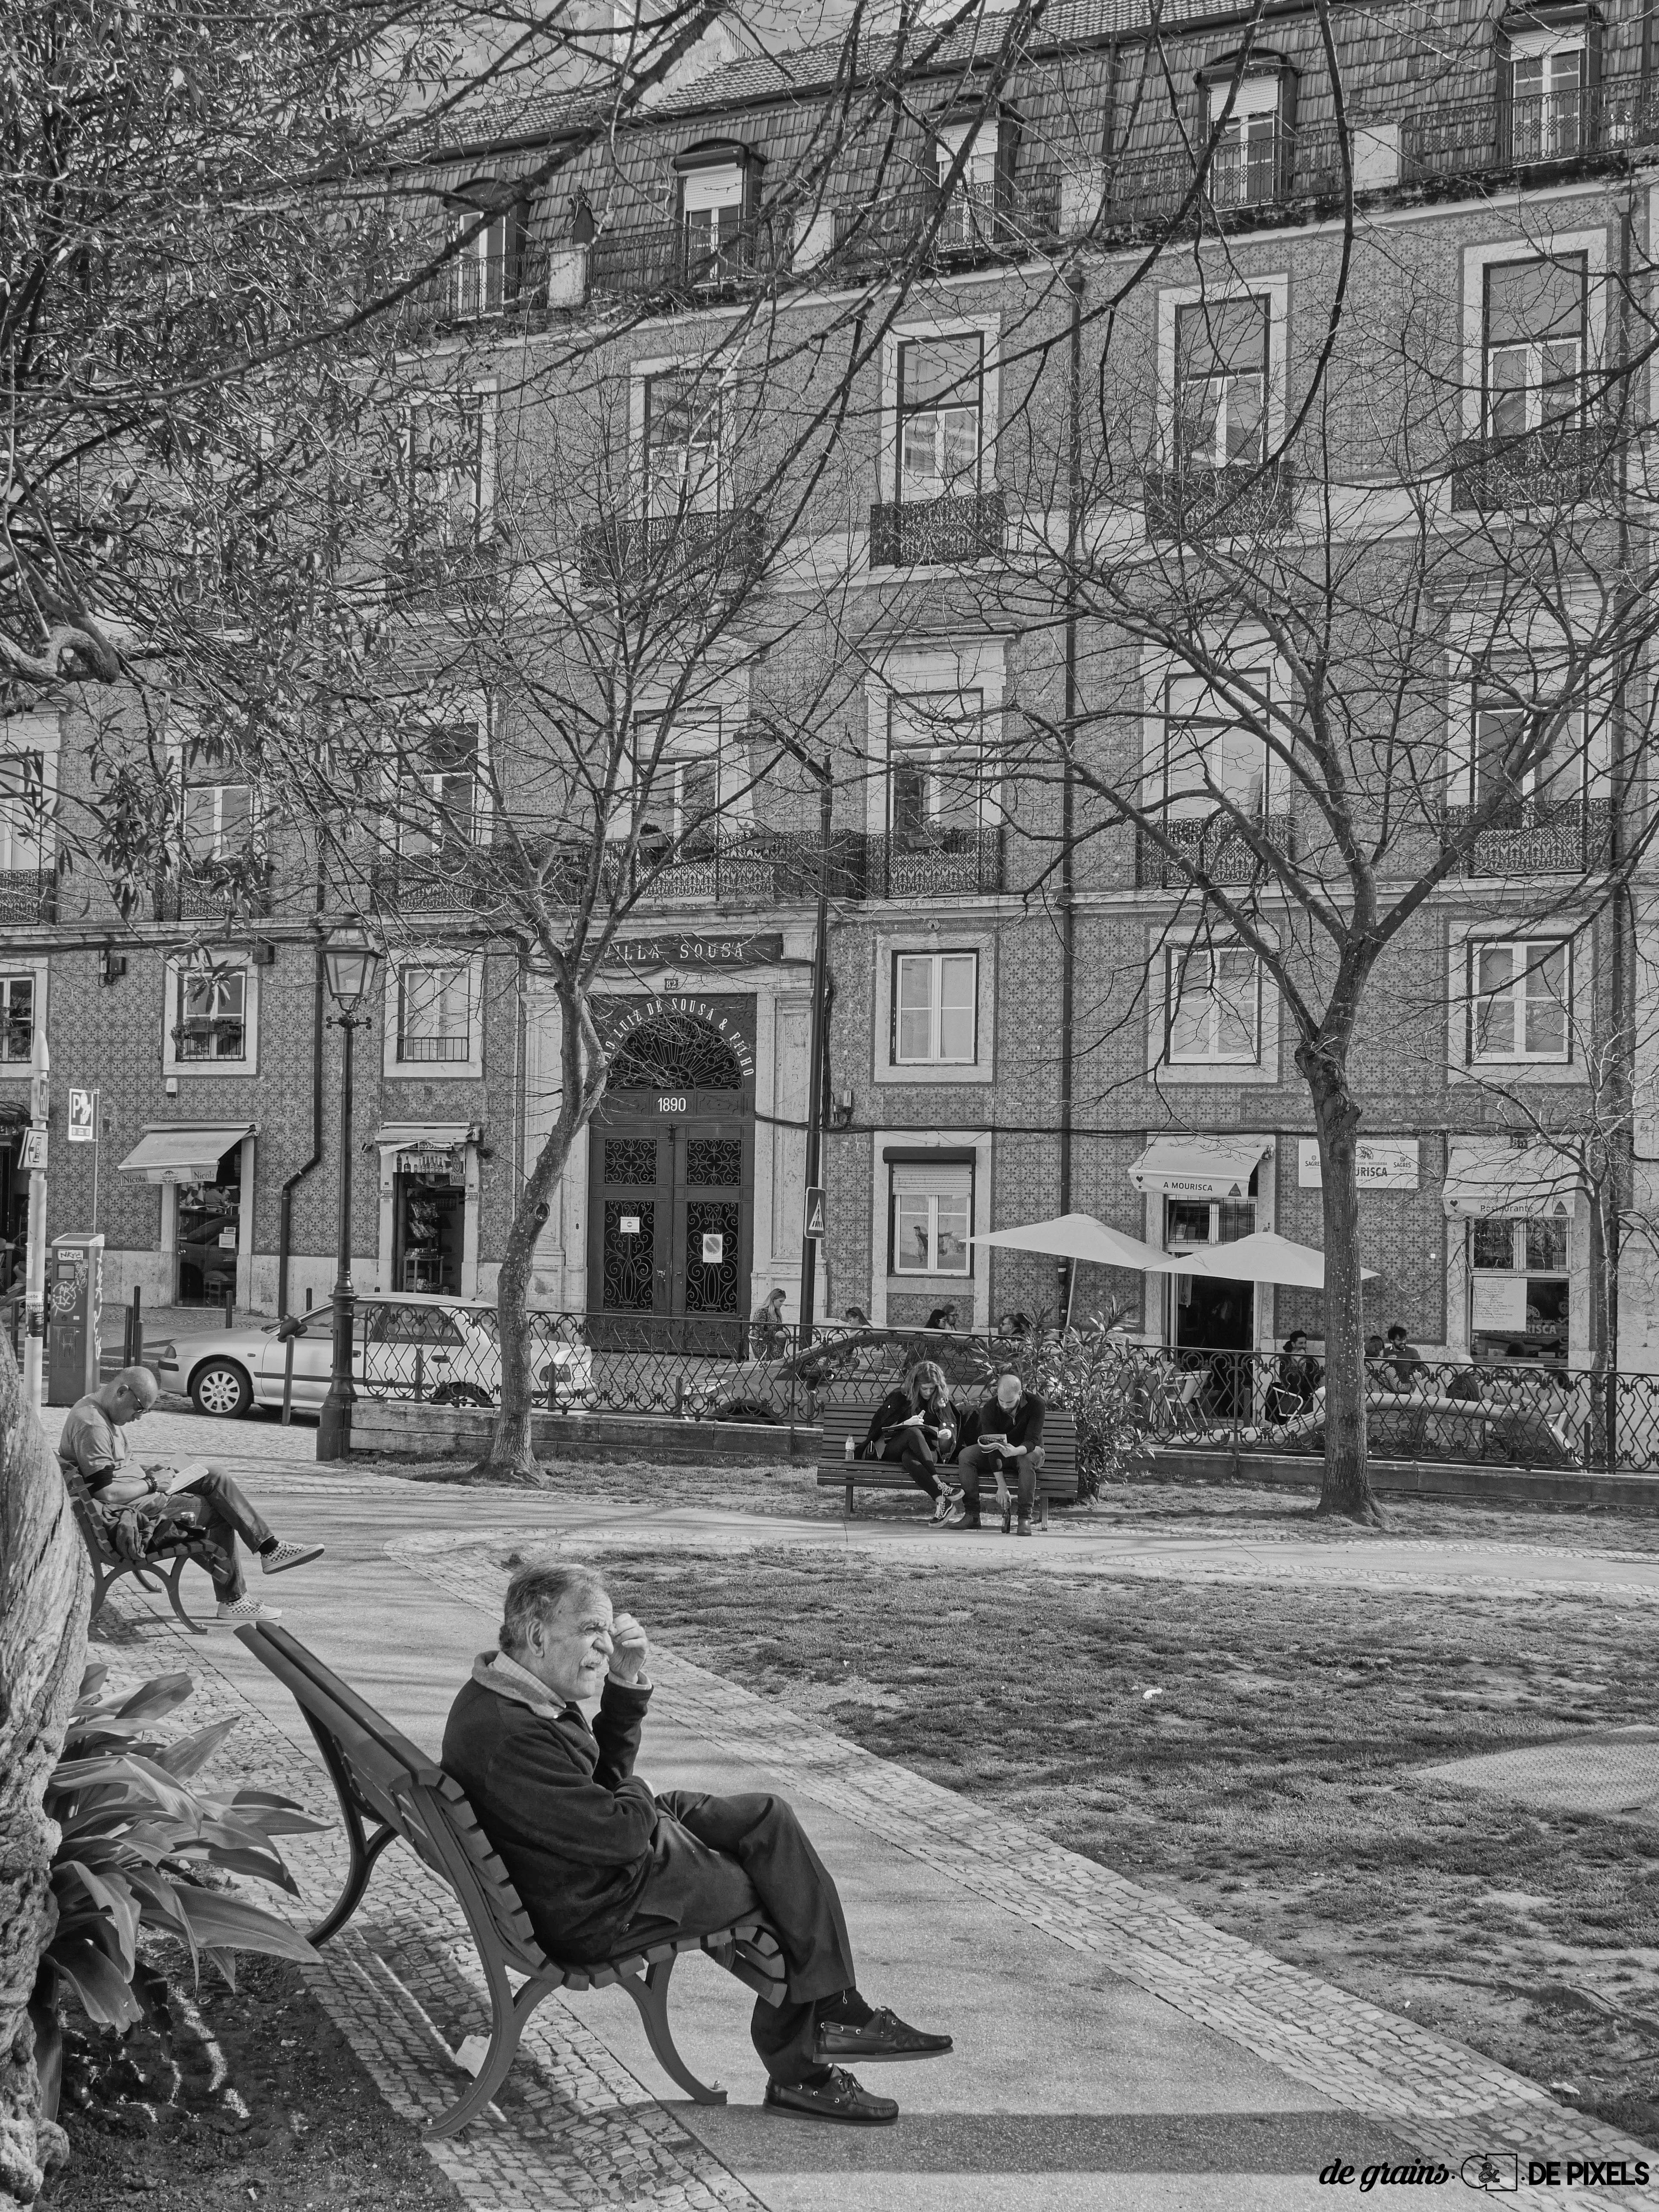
pixel 1347 1489
pixel 44 1589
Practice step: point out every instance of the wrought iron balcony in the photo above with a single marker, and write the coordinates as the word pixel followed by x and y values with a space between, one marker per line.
pixel 945 863
pixel 1535 837
pixel 240 884
pixel 776 867
pixel 1557 466
pixel 28 894
pixel 672 260
pixel 451 880
pixel 974 222
pixel 937 533
pixel 1185 504
pixel 1211 843
pixel 474 288
pixel 671 549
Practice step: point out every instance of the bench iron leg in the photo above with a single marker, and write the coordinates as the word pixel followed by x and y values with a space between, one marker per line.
pixel 179 1567
pixel 104 1581
pixel 507 2017
pixel 364 1856
pixel 849 1501
pixel 649 1991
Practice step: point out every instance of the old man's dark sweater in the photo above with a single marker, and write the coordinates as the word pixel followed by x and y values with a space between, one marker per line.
pixel 559 1801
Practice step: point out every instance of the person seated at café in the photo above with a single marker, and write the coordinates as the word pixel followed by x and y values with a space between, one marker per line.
pixel 943 1316
pixel 768 1333
pixel 1008 1441
pixel 1403 1358
pixel 1297 1375
pixel 915 1425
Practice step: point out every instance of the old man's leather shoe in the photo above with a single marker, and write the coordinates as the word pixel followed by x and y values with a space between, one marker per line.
pixel 840 2098
pixel 883 2035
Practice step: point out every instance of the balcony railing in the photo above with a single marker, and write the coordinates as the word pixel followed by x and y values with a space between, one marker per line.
pixel 772 867
pixel 242 884
pixel 28 894
pixel 668 549
pixel 937 533
pixel 420 577
pixel 1557 466
pixel 1212 844
pixel 1186 504
pixel 945 863
pixel 1535 838
pixel 972 223
pixel 1418 146
pixel 453 880
pixel 673 259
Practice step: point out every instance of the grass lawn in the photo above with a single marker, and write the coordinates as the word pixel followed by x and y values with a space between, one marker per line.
pixel 1273 1783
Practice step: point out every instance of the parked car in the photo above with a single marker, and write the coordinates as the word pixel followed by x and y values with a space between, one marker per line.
pixel 450 1352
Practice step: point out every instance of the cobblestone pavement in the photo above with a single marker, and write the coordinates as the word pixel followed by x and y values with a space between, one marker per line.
pixel 1369 2061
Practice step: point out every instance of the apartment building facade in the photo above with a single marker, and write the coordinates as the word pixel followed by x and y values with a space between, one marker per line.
pixel 1079 306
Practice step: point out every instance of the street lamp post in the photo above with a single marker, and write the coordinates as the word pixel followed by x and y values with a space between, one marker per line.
pixel 35 1279
pixel 350 963
pixel 809 1249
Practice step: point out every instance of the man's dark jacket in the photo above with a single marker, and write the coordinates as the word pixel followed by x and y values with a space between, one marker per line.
pixel 559 1801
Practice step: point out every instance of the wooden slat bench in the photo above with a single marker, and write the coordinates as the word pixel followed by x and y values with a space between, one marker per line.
pixel 167 1562
pixel 388 1788
pixel 845 1417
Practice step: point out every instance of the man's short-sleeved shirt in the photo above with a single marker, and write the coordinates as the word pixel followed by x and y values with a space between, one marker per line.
pixel 91 1443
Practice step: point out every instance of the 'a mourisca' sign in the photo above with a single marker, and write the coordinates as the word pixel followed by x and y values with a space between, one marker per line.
pixel 696 949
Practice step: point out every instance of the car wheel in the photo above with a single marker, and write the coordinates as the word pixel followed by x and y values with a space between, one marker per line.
pixel 223 1389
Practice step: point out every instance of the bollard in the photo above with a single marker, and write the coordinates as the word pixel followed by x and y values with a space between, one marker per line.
pixel 230 1307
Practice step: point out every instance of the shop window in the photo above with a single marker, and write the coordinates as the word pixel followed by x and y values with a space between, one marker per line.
pixel 208 1229
pixel 213 1015
pixel 940 418
pixel 685 433
pixel 1221 365
pixel 1212 1006
pixel 1533 343
pixel 1520 995
pixel 23 830
pixel 435 1013
pixel 218 820
pixel 16 1019
pixel 931 1214
pixel 935 1009
pixel 429 1217
pixel 1519 1293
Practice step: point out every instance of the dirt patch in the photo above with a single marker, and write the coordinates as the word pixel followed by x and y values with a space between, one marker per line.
pixel 253 2098
pixel 1258 1752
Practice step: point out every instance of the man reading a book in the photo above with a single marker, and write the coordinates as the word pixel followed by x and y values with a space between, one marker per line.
pixel 1008 1445
pixel 199 1497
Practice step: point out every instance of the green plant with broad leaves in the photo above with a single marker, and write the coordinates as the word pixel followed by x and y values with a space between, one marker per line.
pixel 136 1834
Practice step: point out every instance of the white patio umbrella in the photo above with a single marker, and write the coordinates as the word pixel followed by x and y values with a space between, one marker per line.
pixel 1266 1257
pixel 1075 1236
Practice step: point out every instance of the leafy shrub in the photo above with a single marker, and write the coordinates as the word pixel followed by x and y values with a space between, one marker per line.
pixel 135 1838
pixel 1103 1383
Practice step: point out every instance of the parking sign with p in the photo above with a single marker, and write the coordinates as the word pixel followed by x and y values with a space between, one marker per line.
pixel 83 1117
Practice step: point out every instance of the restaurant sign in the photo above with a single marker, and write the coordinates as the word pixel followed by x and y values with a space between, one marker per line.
pixel 1382 1164
pixel 695 949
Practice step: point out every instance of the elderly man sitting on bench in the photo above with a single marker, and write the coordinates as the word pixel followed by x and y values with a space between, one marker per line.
pixel 599 1861
pixel 92 1443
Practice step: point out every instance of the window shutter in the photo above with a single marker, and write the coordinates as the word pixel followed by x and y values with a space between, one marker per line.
pixel 1285 135
pixel 951 1180
pixel 1505 94
pixel 1007 159
pixel 1592 75
pixel 515 241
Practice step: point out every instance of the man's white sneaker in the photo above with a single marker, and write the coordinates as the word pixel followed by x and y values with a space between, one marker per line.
pixel 290 1555
pixel 247 1609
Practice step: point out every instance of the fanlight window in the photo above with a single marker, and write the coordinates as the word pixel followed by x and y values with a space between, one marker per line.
pixel 676 1052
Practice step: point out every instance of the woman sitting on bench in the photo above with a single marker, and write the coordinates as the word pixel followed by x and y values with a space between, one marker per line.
pixel 916 1425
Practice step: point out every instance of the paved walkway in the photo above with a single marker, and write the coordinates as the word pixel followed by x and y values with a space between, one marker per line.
pixel 1114 2049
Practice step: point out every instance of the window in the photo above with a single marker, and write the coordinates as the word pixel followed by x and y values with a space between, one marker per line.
pixel 938 780
pixel 1510 712
pixel 940 408
pixel 1547 74
pixel 440 798
pixel 933 1210
pixel 23 833
pixel 445 445
pixel 1210 758
pixel 212 1014
pixel 478 276
pixel 969 217
pixel 435 1013
pixel 683 443
pixel 935 1008
pixel 1244 166
pixel 712 202
pixel 1212 1003
pixel 1519 997
pixel 1221 384
pixel 678 788
pixel 1519 1291
pixel 218 820
pixel 16 1018
pixel 1534 342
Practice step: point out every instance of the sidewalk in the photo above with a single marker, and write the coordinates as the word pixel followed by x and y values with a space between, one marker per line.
pixel 1113 2049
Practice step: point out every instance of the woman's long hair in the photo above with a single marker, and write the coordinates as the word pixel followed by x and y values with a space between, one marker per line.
pixel 925 1370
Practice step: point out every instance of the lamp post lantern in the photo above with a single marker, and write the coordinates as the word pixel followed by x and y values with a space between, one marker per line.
pixel 350 963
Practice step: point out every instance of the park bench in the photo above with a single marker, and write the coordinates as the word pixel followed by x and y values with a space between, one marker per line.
pixel 845 1417
pixel 172 1555
pixel 388 1788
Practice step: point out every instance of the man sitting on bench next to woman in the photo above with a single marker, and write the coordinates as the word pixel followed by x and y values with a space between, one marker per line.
pixel 915 1425
pixel 1008 1440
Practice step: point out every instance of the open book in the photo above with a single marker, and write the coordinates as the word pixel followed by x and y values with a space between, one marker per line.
pixel 180 1478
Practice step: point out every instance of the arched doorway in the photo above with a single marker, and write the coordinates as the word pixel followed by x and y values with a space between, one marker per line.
pixel 670 1183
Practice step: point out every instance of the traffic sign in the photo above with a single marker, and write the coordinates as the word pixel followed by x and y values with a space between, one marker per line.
pixel 33 1154
pixel 814 1224
pixel 83 1117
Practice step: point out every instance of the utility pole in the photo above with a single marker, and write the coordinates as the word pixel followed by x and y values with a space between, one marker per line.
pixel 34 1281
pixel 809 1249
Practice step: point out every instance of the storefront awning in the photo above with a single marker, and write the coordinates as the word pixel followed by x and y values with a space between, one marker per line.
pixel 1529 1182
pixel 1200 1167
pixel 183 1155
